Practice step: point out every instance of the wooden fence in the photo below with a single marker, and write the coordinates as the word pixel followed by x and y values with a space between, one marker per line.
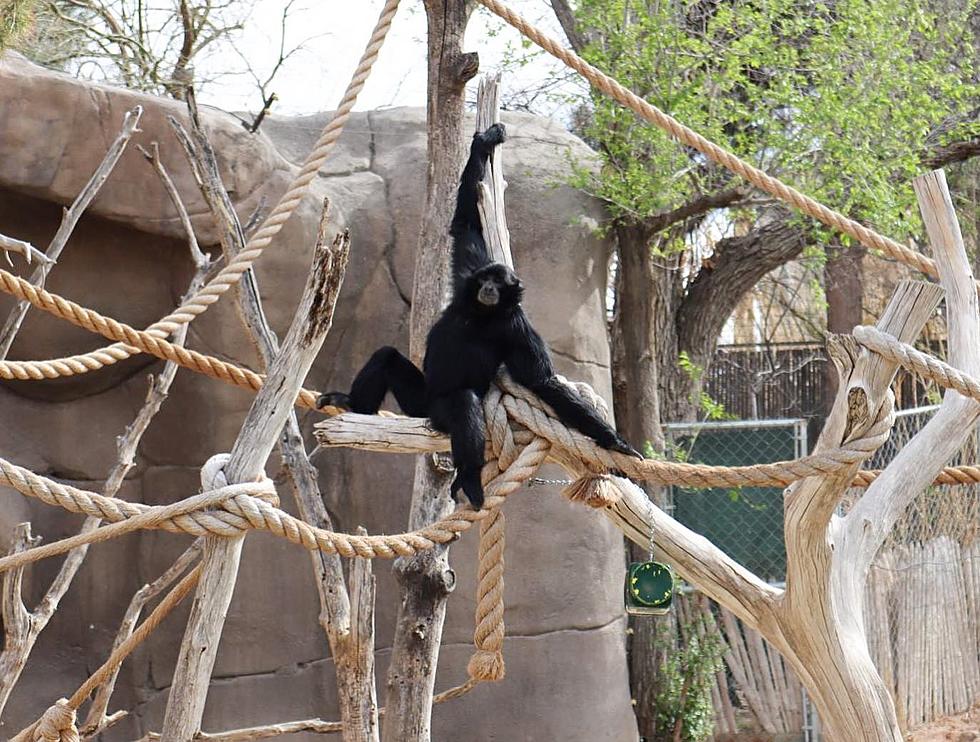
pixel 785 380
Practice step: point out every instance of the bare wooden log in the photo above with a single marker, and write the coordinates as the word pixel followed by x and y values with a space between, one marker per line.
pixel 18 630
pixel 357 692
pixel 865 379
pixel 68 221
pixel 853 701
pixel 827 647
pixel 390 434
pixel 258 436
pixel 491 189
pixel 127 444
pixel 425 581
pixel 266 731
pixel 355 653
pixel 912 470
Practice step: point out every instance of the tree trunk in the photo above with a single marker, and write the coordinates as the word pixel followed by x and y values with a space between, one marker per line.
pixel 640 334
pixel 844 287
pixel 426 580
pixel 659 317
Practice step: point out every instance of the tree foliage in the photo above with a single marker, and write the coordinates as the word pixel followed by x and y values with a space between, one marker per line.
pixel 16 16
pixel 683 701
pixel 837 98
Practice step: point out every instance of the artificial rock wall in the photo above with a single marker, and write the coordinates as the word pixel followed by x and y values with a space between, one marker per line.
pixel 566 671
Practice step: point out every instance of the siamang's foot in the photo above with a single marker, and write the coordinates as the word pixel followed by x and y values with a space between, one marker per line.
pixel 334 399
pixel 470 483
pixel 493 136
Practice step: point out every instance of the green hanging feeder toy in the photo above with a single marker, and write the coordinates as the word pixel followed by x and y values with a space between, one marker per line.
pixel 649 587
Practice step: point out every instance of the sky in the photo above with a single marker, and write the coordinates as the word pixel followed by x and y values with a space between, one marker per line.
pixel 334 34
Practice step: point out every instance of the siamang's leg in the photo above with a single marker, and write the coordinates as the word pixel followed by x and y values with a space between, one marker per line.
pixel 459 414
pixel 530 365
pixel 386 370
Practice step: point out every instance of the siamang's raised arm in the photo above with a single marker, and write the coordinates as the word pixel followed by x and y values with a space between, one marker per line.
pixel 469 248
pixel 530 364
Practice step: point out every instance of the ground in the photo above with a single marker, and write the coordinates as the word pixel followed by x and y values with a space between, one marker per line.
pixel 963 727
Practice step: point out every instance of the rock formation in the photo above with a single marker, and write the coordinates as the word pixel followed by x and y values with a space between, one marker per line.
pixel 566 672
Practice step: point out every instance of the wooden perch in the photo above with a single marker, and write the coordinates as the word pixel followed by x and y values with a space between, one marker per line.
pixel 257 438
pixel 491 189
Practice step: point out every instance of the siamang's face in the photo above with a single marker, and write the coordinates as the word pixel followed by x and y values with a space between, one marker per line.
pixel 495 287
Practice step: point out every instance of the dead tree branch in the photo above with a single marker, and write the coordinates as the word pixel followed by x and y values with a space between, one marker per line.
pixel 357 692
pixel 68 221
pixel 258 436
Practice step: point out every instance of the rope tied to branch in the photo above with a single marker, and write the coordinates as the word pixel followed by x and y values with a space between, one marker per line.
pixel 57 724
pixel 522 432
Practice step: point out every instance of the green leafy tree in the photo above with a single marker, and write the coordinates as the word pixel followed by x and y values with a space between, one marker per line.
pixel 687 675
pixel 845 100
pixel 15 17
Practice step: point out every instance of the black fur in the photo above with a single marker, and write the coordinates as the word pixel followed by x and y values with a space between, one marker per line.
pixel 483 326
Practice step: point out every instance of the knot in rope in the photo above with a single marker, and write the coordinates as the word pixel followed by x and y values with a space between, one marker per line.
pixel 595 490
pixel 214 480
pixel 917 362
pixel 56 725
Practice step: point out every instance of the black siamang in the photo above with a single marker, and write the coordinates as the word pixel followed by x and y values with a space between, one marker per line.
pixel 483 326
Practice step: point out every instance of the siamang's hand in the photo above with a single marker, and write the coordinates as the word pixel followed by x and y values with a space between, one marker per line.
pixel 493 136
pixel 623 447
pixel 616 442
pixel 333 399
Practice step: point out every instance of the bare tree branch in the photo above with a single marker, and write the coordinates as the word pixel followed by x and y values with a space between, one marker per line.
pixel 68 222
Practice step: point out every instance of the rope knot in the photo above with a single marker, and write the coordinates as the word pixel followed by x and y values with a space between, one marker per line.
pixel 487 665
pixel 57 724
pixel 595 490
pixel 213 472
pixel 213 478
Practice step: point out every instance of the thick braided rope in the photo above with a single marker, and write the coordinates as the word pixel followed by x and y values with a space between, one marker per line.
pixel 242 512
pixel 519 403
pixel 527 409
pixel 487 662
pixel 57 724
pixel 723 157
pixel 922 364
pixel 91 320
pixel 150 518
pixel 231 274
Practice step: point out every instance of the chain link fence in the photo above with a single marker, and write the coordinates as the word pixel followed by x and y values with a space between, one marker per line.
pixel 745 522
pixel 922 611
